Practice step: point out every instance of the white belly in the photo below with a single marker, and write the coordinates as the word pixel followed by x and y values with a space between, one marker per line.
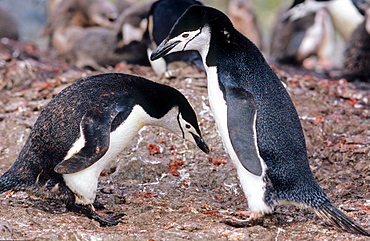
pixel 345 17
pixel 84 183
pixel 253 186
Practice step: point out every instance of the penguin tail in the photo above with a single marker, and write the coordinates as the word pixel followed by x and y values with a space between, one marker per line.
pixel 331 213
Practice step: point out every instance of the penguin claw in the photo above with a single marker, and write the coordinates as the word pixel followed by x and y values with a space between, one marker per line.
pixel 241 223
pixel 254 219
pixel 98 205
pixel 104 222
pixel 112 215
pixel 110 220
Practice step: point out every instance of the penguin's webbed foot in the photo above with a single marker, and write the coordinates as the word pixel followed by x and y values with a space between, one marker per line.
pixel 108 218
pixel 99 208
pixel 98 205
pixel 254 219
pixel 110 214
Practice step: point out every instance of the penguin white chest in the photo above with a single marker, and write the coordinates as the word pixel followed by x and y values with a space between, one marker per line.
pixel 217 102
pixel 253 186
pixel 84 183
pixel 219 110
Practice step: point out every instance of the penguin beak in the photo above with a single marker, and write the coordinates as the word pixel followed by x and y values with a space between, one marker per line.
pixel 163 49
pixel 200 143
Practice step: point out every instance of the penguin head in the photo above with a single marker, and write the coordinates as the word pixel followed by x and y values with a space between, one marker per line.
pixel 181 120
pixel 189 130
pixel 169 108
pixel 193 30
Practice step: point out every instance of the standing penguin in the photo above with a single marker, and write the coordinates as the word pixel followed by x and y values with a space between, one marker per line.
pixel 255 116
pixel 8 25
pixel 294 42
pixel 84 127
pixel 357 56
pixel 69 17
pixel 346 14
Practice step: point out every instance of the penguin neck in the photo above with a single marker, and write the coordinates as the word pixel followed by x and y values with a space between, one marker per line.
pixel 167 121
pixel 163 106
pixel 157 100
pixel 226 42
pixel 345 17
pixel 230 52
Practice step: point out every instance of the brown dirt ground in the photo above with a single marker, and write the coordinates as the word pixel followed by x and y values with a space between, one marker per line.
pixel 188 203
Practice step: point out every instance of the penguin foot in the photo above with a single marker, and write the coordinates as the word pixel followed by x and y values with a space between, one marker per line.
pixel 111 215
pixel 254 219
pixel 98 205
pixel 108 218
pixel 99 208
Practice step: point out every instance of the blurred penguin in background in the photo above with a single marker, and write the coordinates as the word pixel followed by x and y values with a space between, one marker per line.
pixel 132 23
pixel 356 66
pixel 294 42
pixel 97 47
pixel 122 5
pixel 90 33
pixel 346 15
pixel 244 19
pixel 8 25
pixel 68 17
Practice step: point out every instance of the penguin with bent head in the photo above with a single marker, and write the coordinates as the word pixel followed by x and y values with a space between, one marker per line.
pixel 84 127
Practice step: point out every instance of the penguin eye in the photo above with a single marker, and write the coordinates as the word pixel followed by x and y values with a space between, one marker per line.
pixel 185 35
pixel 187 126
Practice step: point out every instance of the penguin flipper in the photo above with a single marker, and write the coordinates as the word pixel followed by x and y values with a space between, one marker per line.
pixel 95 127
pixel 294 43
pixel 241 123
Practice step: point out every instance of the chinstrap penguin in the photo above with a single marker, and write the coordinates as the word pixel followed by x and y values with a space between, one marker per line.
pixel 295 41
pixel 255 115
pixel 95 47
pixel 357 55
pixel 84 127
pixel 346 15
pixel 9 26
pixel 68 18
pixel 161 17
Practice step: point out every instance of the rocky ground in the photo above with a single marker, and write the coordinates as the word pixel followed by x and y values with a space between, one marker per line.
pixel 180 193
